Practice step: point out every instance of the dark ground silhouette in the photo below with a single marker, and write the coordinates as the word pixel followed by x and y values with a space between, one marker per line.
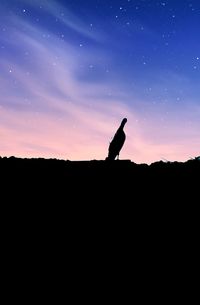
pixel 101 197
pixel 107 215
pixel 119 177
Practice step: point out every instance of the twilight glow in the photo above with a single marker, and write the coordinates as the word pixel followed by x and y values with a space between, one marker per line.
pixel 71 70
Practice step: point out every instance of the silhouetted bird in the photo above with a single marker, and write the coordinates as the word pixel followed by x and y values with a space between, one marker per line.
pixel 117 142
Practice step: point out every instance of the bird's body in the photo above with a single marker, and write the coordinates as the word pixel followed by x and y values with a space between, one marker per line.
pixel 117 142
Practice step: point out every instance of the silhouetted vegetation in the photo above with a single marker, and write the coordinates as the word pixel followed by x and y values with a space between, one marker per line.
pixel 141 205
pixel 122 173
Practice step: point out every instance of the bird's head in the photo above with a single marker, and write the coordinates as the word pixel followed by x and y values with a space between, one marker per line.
pixel 124 121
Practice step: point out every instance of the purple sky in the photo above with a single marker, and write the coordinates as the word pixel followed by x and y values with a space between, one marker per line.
pixel 69 73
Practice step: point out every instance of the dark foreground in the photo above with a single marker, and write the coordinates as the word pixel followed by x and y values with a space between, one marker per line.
pixel 127 224
pixel 117 193
pixel 104 177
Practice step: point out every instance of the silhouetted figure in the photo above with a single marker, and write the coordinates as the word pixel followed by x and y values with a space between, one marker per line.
pixel 117 142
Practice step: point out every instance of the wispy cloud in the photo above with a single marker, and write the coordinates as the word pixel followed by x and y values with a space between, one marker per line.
pixel 62 14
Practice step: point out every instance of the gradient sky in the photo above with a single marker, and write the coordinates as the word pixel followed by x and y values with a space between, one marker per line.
pixel 71 70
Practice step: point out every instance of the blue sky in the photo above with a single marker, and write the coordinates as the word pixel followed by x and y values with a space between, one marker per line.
pixel 71 70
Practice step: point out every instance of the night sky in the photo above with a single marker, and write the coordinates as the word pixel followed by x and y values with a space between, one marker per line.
pixel 71 70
